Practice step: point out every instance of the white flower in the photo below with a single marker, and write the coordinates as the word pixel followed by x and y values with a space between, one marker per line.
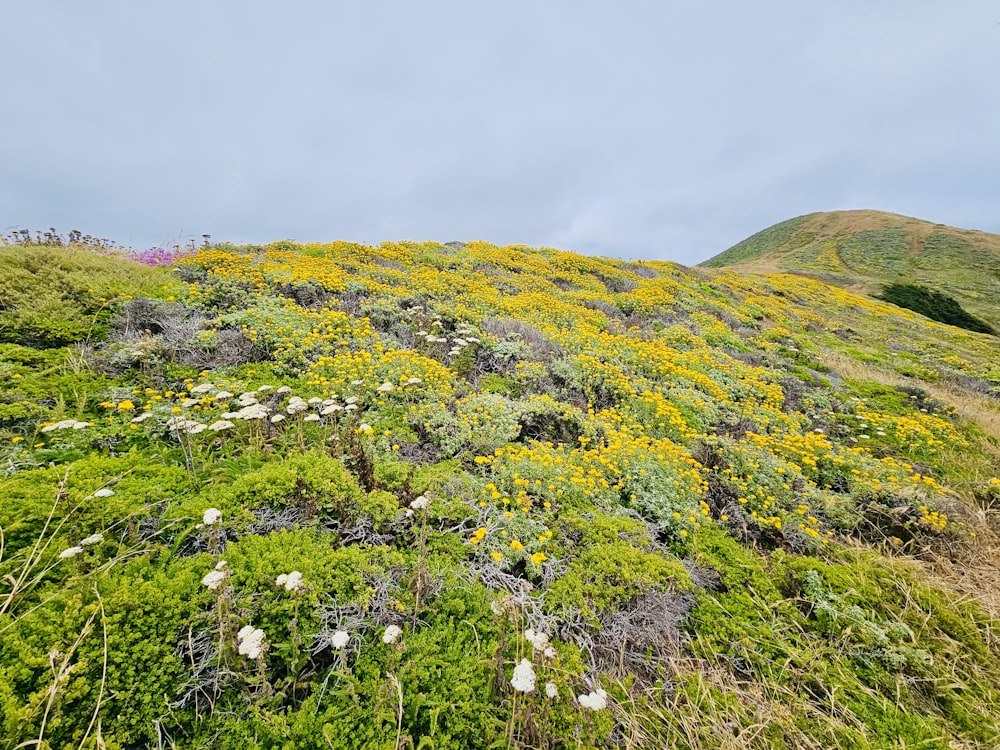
pixel 214 578
pixel 104 492
pixel 420 503
pixel 180 424
pixel 69 424
pixel 189 402
pixel 223 395
pixel 315 400
pixel 92 539
pixel 142 417
pixel 538 640
pixel 594 701
pixel 391 634
pixel 357 382
pixel 211 516
pixel 364 427
pixel 311 418
pixel 251 641
pixel 247 399
pixel 291 581
pixel 350 407
pixel 339 639
pixel 550 690
pixel 549 652
pixel 295 405
pixel 284 389
pixel 330 401
pixel 252 411
pixel 203 388
pixel 70 552
pixel 265 388
pixel 414 381
pixel 222 424
pixel 221 565
pixel 277 418
pixel 524 677
pixel 331 409
pixel 351 400
pixel 385 387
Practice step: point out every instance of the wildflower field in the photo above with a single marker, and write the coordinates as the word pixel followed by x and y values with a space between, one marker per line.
pixel 445 496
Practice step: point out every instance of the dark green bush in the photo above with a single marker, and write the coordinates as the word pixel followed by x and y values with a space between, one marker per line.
pixel 934 304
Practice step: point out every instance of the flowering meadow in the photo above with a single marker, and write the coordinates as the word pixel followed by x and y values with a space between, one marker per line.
pixel 455 495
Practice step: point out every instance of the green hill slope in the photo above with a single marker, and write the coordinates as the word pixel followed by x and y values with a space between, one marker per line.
pixel 863 250
pixel 463 496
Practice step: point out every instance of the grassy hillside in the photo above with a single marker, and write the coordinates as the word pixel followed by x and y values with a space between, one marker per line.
pixel 863 250
pixel 423 495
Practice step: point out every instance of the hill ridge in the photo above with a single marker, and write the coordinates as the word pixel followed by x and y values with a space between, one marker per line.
pixel 863 249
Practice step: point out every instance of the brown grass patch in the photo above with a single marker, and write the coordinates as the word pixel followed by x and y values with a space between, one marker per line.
pixel 971 567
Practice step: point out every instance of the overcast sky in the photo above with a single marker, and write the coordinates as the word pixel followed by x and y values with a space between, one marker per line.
pixel 664 129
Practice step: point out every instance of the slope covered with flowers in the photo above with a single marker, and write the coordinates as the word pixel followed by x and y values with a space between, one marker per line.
pixel 423 495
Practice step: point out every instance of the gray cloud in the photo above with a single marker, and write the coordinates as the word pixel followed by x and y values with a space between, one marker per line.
pixel 633 129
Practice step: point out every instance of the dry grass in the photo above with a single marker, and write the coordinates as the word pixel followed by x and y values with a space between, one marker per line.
pixel 975 407
pixel 970 568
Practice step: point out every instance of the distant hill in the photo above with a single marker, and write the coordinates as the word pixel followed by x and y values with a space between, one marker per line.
pixel 863 250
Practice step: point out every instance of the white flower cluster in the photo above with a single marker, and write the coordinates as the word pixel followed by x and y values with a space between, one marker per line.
pixel 523 680
pixel 296 404
pixel 291 581
pixel 339 639
pixel 250 411
pixel 595 700
pixel 420 503
pixel 391 634
pixel 91 540
pixel 540 643
pixel 462 339
pixel 524 673
pixel 187 426
pixel 211 516
pixel 70 552
pixel 66 424
pixel 251 641
pixel 214 578
pixel 104 492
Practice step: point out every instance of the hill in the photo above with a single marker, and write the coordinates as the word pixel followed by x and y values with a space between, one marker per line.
pixel 864 250
pixel 426 495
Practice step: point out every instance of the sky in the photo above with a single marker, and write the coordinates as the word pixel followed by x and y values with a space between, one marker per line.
pixel 667 129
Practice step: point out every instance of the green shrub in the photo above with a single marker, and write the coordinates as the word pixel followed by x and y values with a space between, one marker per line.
pixel 933 304
pixel 52 296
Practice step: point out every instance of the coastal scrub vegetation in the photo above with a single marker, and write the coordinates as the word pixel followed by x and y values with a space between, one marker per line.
pixel 423 495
